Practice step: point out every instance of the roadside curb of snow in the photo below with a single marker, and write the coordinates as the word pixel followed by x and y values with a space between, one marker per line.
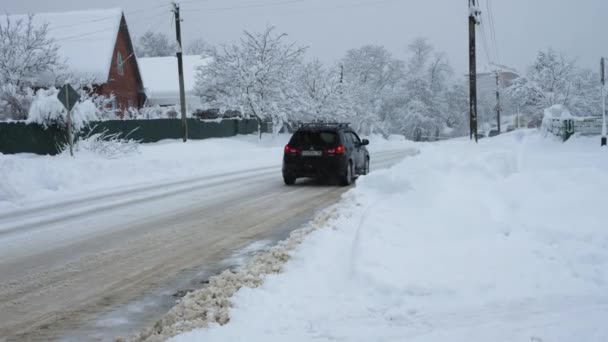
pixel 212 303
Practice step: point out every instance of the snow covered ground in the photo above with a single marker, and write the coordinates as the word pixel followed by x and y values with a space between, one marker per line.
pixel 27 179
pixel 501 241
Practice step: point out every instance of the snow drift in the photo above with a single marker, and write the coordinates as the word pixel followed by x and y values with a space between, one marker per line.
pixel 501 241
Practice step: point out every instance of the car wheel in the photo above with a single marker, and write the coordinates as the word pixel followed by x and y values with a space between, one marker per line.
pixel 289 180
pixel 366 167
pixel 348 176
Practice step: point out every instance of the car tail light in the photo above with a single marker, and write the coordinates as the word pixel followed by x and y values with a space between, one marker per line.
pixel 291 150
pixel 336 150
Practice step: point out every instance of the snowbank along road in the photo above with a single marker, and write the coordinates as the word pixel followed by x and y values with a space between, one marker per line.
pixel 64 263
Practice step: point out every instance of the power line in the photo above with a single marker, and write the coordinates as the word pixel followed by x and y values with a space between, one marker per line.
pixel 258 5
pixel 290 2
pixel 192 1
pixel 492 29
pixel 485 46
pixel 90 33
pixel 356 4
pixel 137 11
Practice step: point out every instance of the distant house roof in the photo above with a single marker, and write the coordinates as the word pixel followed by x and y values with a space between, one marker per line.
pixel 493 68
pixel 86 39
pixel 161 81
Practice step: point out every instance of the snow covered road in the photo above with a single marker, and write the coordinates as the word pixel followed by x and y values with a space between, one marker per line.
pixel 67 261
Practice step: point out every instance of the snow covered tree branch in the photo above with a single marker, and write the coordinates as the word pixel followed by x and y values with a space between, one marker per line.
pixel 255 77
pixel 554 79
pixel 26 55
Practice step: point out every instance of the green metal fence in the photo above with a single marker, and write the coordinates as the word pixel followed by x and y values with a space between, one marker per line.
pixel 19 137
pixel 565 128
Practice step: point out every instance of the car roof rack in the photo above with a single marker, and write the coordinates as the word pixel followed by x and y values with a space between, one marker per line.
pixel 323 124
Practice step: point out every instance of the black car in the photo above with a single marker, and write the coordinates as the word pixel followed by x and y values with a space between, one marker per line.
pixel 325 151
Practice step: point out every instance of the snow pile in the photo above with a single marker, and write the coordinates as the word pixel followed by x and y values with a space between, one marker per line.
pixel 211 304
pixel 501 241
pixel 379 143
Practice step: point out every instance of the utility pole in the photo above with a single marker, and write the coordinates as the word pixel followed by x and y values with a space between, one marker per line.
pixel 474 20
pixel 498 101
pixel 180 70
pixel 603 75
pixel 70 133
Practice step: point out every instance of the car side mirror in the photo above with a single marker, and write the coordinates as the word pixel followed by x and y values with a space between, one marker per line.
pixel 365 142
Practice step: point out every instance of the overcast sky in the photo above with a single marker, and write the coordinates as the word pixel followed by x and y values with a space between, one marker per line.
pixel 577 28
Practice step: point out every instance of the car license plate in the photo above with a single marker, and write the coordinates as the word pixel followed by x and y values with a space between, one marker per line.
pixel 311 153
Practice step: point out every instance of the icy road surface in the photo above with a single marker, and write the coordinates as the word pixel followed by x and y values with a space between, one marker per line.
pixel 66 263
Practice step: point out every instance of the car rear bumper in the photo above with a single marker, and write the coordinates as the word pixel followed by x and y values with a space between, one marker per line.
pixel 314 167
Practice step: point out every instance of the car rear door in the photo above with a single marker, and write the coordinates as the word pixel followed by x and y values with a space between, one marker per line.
pixel 358 151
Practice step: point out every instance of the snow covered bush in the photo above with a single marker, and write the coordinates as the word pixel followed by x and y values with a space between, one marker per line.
pixel 158 112
pixel 107 145
pixel 46 110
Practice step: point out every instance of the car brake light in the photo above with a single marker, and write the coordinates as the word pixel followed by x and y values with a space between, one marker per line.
pixel 336 150
pixel 290 150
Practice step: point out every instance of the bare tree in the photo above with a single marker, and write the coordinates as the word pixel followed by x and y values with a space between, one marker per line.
pixel 255 77
pixel 26 56
pixel 197 47
pixel 155 45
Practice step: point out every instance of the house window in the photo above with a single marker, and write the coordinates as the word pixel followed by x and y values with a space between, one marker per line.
pixel 114 105
pixel 119 65
pixel 130 103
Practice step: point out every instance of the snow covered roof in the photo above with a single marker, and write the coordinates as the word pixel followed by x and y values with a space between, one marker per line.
pixel 160 79
pixel 86 39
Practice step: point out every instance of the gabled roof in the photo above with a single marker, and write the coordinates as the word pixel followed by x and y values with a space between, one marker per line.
pixel 86 39
pixel 160 78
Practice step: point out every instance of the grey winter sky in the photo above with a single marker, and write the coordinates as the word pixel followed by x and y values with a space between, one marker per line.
pixel 330 27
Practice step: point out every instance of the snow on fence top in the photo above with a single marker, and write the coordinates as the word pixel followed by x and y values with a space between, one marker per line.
pixel 159 75
pixel 86 39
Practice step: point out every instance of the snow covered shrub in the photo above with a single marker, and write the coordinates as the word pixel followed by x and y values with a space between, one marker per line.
pixel 46 110
pixel 14 102
pixel 108 145
pixel 158 112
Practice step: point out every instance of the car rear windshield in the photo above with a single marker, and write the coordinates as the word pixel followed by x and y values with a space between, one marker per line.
pixel 320 139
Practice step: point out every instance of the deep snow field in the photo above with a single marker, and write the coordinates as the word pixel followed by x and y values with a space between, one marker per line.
pixel 501 241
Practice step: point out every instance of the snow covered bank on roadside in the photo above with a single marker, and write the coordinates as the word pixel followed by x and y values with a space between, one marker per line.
pixel 501 241
pixel 26 178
